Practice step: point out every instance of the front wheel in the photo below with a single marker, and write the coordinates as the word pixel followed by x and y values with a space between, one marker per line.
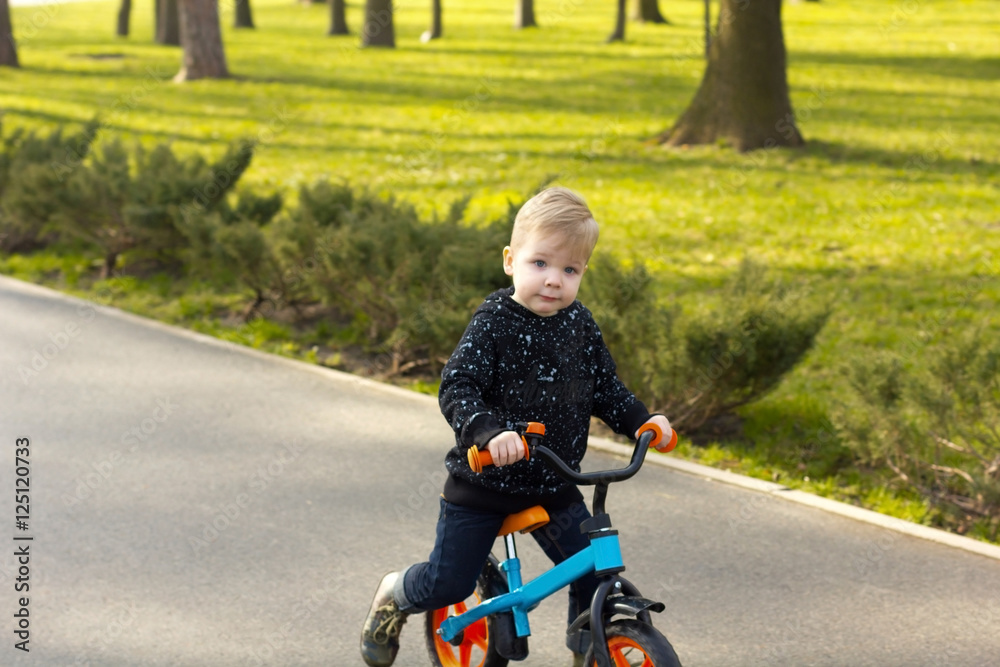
pixel 633 643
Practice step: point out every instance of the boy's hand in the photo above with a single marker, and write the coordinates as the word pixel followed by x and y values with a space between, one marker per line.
pixel 506 448
pixel 660 421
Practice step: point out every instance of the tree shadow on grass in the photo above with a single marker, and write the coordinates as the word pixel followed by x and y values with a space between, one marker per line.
pixel 125 73
pixel 919 165
pixel 957 67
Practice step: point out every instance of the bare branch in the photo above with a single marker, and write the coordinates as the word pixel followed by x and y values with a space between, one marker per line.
pixel 959 448
pixel 948 470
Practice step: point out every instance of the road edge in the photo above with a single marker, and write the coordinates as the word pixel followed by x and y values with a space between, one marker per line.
pixel 804 498
pixel 601 444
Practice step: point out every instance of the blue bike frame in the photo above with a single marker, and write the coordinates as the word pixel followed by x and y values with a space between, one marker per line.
pixel 604 553
pixel 603 557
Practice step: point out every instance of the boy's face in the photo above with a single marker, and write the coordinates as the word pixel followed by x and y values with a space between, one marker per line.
pixel 547 272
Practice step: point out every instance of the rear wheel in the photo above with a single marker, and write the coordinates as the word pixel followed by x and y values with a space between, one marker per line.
pixel 636 644
pixel 478 646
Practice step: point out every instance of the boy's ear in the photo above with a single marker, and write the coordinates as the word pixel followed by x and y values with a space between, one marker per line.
pixel 508 261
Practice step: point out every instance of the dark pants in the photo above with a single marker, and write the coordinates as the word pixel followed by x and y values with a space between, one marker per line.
pixel 464 539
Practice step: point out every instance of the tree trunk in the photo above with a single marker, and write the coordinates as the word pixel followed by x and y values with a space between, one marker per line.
pixel 743 99
pixel 124 12
pixel 378 30
pixel 524 14
pixel 434 32
pixel 110 261
pixel 618 35
pixel 8 49
pixel 201 38
pixel 648 11
pixel 168 23
pixel 708 27
pixel 338 18
pixel 243 18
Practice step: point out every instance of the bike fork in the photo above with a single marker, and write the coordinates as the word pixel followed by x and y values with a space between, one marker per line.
pixel 598 638
pixel 628 601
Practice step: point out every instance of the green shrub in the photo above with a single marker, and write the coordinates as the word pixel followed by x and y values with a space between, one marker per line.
pixel 171 196
pixel 55 186
pixel 34 169
pixel 156 207
pixel 258 209
pixel 165 198
pixel 92 204
pixel 937 429
pixel 408 286
pixel 698 366
pixel 299 234
pixel 231 246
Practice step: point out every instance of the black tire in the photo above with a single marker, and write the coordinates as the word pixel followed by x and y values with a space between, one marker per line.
pixel 637 643
pixel 479 646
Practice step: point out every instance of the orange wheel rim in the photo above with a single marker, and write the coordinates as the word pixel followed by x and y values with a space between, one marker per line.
pixel 624 653
pixel 472 651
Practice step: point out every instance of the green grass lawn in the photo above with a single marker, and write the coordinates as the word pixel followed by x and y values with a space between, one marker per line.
pixel 890 213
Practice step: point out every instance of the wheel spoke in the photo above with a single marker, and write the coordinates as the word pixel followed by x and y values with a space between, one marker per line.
pixel 624 651
pixel 477 634
pixel 619 658
pixel 460 608
pixel 465 654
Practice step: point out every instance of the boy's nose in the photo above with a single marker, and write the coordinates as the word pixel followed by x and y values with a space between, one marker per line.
pixel 553 279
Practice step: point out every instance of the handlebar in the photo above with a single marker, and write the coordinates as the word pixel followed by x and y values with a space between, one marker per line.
pixel 650 435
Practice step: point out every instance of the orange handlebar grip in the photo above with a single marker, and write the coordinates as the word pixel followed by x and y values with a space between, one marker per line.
pixel 480 458
pixel 669 447
pixel 658 438
pixel 657 433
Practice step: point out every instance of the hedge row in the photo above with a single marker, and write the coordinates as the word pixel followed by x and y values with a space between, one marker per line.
pixel 405 286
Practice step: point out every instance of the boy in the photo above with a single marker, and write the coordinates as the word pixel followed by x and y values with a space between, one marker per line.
pixel 532 352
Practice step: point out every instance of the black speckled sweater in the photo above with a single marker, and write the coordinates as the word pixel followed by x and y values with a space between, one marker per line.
pixel 515 366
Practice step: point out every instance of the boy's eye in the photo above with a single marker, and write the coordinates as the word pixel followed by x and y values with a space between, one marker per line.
pixel 570 269
pixel 539 263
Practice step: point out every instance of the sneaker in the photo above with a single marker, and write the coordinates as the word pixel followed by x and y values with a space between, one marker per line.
pixel 380 634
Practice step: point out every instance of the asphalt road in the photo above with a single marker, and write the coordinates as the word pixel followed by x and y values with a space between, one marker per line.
pixel 193 503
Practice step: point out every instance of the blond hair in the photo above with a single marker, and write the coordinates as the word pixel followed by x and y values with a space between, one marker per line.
pixel 557 212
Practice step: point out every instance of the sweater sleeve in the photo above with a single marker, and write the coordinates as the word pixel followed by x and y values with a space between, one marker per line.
pixel 466 377
pixel 613 402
